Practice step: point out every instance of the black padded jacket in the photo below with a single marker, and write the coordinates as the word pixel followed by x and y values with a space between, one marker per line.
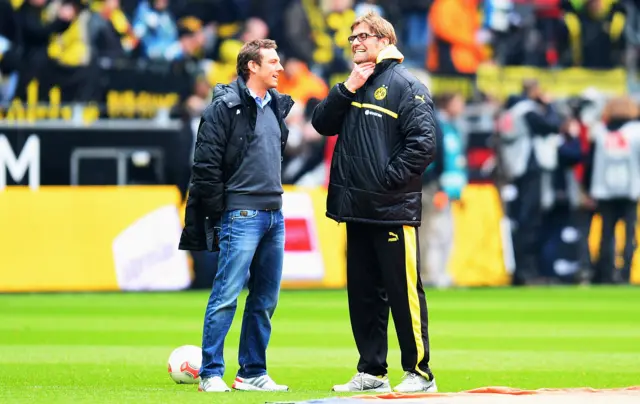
pixel 386 139
pixel 226 129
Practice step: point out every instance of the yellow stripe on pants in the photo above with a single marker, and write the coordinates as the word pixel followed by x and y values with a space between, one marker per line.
pixel 411 266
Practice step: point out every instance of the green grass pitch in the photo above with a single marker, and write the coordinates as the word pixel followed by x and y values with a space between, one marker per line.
pixel 99 348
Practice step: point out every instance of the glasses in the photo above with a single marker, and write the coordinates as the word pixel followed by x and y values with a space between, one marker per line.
pixel 362 37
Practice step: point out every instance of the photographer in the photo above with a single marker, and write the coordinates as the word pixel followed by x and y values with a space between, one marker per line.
pixel 525 146
pixel 560 192
pixel 587 110
pixel 613 172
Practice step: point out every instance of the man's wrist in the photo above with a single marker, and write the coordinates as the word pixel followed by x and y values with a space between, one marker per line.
pixel 346 86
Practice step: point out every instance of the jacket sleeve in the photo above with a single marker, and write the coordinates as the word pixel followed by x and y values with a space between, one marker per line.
pixel 540 125
pixel 569 152
pixel 208 160
pixel 417 127
pixel 328 116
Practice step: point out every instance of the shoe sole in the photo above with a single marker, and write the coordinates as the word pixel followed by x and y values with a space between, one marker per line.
pixel 377 390
pixel 432 388
pixel 249 387
pixel 213 391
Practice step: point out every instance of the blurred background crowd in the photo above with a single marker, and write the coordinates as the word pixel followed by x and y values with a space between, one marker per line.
pixel 524 92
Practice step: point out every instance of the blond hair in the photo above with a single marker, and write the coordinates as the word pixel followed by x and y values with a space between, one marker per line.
pixel 622 107
pixel 379 26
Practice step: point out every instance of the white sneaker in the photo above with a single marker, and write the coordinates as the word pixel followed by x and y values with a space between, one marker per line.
pixel 414 383
pixel 260 383
pixel 213 384
pixel 365 382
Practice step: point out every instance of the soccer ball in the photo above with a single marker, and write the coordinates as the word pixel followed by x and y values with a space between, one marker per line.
pixel 184 364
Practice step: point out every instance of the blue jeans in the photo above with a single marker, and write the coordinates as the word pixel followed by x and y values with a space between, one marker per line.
pixel 251 242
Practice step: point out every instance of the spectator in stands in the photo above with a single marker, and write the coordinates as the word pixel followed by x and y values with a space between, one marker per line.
pixel 118 23
pixel 195 105
pixel 291 162
pixel 615 185
pixel 305 163
pixel 524 129
pixel 223 68
pixel 300 83
pixel 444 181
pixel 364 6
pixel 157 30
pixel 553 31
pixel 498 23
pixel 37 33
pixel 339 15
pixel 595 31
pixel 632 36
pixel 415 35
pixel 193 37
pixel 105 25
pixel 455 46
pixel 536 35
pixel 10 51
pixel 515 34
pixel 288 25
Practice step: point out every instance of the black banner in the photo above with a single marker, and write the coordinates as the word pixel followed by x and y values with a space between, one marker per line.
pixel 104 153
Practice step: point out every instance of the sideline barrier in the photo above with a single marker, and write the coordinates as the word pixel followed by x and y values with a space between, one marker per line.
pixel 125 238
pixel 477 257
pixel 91 239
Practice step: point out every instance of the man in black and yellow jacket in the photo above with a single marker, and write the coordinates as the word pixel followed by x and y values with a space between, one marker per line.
pixel 10 51
pixel 384 120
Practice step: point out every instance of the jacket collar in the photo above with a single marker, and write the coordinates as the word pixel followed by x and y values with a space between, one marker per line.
pixel 243 91
pixel 386 58
pixel 391 52
pixel 237 93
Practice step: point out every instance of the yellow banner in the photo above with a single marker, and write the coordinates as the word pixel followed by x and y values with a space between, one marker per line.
pixel 90 239
pixel 478 253
pixel 126 238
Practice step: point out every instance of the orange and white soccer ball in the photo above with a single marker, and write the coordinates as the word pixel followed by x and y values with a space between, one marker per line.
pixel 184 364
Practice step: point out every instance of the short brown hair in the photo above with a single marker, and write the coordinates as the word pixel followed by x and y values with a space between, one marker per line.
pixel 621 107
pixel 250 51
pixel 378 25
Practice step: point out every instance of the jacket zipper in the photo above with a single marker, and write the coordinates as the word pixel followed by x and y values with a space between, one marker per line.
pixel 348 170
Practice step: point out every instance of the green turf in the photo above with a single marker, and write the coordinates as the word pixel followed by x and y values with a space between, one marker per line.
pixel 99 348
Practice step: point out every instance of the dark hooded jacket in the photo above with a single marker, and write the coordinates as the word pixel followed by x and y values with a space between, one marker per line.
pixel 225 132
pixel 386 140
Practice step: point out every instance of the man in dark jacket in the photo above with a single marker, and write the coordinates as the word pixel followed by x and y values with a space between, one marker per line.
pixel 234 206
pixel 10 51
pixel 383 117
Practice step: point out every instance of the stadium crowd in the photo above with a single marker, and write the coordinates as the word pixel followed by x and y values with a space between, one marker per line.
pixel 69 36
pixel 65 42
